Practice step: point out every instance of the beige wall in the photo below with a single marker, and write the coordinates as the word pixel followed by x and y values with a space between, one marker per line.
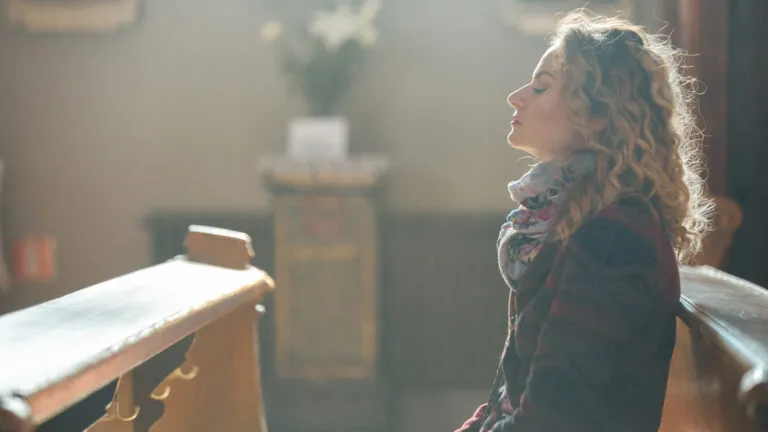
pixel 99 131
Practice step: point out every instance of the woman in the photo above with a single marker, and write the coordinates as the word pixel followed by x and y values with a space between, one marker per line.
pixel 591 254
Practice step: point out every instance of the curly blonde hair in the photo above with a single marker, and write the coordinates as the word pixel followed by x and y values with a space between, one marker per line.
pixel 648 144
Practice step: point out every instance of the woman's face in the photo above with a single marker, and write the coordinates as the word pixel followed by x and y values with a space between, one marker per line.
pixel 540 125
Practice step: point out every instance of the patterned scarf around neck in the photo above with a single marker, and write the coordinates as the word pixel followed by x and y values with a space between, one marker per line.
pixel 540 192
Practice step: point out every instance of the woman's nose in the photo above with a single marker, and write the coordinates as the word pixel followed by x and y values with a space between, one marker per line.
pixel 516 100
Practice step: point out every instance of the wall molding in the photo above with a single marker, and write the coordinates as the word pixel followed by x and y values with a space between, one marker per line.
pixel 72 16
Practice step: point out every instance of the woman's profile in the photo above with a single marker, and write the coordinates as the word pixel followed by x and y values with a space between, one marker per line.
pixel 591 251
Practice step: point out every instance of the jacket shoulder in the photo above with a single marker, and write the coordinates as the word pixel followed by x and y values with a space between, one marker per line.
pixel 619 236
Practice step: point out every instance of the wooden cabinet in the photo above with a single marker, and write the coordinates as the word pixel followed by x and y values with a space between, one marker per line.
pixel 327 315
pixel 327 319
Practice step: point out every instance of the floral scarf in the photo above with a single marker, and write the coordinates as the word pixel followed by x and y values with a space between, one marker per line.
pixel 539 192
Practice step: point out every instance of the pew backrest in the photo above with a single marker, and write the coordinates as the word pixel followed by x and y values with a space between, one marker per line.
pixel 718 378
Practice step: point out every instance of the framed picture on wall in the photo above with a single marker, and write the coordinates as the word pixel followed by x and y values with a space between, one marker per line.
pixel 71 16
pixel 538 17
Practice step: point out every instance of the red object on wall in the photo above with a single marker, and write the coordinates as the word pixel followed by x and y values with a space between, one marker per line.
pixel 33 259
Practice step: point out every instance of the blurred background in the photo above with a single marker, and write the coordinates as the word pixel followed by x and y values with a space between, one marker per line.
pixel 124 121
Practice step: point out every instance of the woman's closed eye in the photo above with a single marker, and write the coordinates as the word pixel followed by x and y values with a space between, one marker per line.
pixel 537 90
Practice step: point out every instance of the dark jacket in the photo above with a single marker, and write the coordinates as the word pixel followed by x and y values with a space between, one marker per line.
pixel 594 330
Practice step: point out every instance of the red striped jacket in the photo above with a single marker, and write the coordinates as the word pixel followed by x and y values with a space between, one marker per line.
pixel 592 331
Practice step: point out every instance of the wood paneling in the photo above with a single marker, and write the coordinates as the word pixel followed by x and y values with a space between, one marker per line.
pixel 443 301
pixel 726 40
pixel 748 136
pixel 702 28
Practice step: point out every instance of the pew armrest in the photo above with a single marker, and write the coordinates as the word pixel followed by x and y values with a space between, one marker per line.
pixel 59 352
pixel 732 314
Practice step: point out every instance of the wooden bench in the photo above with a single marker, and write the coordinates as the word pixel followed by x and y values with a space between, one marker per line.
pixel 718 379
pixel 172 347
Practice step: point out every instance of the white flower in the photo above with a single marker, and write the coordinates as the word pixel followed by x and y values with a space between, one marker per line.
pixel 271 31
pixel 369 10
pixel 368 36
pixel 366 33
pixel 334 28
pixel 341 25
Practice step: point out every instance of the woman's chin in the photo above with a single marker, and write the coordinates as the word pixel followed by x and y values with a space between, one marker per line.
pixel 513 139
pixel 516 145
pixel 512 142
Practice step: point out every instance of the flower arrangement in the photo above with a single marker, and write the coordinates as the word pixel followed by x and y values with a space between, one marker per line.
pixel 322 54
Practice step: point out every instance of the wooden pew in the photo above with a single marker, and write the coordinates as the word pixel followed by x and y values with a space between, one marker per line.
pixel 172 347
pixel 718 379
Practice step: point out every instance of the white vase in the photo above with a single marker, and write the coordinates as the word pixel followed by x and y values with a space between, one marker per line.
pixel 318 138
